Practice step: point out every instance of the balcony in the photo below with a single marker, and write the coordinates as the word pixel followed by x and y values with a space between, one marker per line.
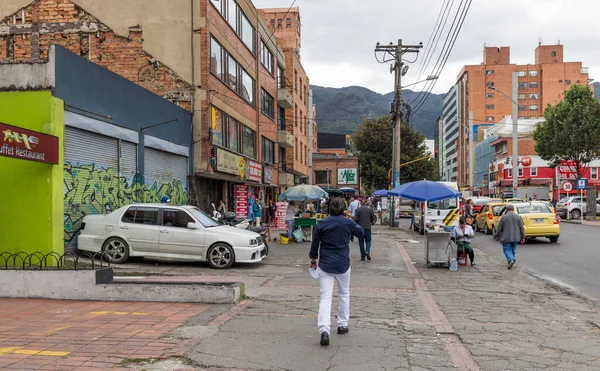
pixel 286 178
pixel 284 137
pixel 284 94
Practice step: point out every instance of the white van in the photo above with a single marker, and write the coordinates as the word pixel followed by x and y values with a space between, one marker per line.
pixel 445 212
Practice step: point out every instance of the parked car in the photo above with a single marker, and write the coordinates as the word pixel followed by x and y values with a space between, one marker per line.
pixel 489 216
pixel 538 219
pixel 573 206
pixel 479 202
pixel 168 231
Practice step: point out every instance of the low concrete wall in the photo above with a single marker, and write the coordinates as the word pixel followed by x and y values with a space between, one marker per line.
pixel 99 285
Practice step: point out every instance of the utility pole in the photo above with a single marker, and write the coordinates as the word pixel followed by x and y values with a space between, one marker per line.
pixel 471 155
pixel 396 52
pixel 310 137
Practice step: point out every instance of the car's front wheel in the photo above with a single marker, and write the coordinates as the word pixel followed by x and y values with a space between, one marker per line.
pixel 220 256
pixel 115 250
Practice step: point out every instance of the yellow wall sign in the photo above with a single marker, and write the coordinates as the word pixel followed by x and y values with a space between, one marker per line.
pixel 242 168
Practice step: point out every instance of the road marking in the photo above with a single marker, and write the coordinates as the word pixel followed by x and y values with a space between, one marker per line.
pixel 31 352
pixel 136 331
pixel 57 329
pixel 234 311
pixel 106 313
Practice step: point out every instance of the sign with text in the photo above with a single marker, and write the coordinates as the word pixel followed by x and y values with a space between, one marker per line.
pixel 280 223
pixel 28 145
pixel 566 172
pixel 254 171
pixel 228 162
pixel 267 175
pixel 241 201
pixel 347 176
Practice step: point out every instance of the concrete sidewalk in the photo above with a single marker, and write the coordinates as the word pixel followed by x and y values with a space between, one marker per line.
pixel 404 316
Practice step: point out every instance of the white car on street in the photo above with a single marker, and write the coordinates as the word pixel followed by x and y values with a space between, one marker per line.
pixel 168 231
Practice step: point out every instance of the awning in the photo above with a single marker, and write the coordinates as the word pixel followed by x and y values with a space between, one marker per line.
pixel 534 182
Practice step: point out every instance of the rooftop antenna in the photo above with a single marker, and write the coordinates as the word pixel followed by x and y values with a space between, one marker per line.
pixel 540 40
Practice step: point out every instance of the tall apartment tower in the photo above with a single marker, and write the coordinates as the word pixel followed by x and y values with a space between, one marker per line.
pixel 287 28
pixel 540 84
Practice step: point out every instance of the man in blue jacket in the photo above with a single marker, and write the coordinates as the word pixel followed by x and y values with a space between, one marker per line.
pixel 331 246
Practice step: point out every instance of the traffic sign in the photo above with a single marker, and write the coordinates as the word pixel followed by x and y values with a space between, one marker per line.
pixel 582 184
pixel 567 186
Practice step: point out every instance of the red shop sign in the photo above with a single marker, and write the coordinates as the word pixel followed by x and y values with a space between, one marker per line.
pixel 241 201
pixel 28 145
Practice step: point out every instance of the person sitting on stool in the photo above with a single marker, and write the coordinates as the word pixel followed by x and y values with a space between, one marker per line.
pixel 463 234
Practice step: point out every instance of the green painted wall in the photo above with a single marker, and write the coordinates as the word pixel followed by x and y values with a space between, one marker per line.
pixel 31 204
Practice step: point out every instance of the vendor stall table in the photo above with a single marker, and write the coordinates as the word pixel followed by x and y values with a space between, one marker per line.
pixel 438 248
pixel 306 222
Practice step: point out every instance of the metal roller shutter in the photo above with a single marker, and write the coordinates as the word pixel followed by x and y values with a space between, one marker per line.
pixel 164 167
pixel 85 148
pixel 128 161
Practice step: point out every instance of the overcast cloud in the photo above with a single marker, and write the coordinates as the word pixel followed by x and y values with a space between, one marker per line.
pixel 338 36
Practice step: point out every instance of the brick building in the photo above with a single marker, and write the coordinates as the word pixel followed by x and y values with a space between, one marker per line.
pixel 539 85
pixel 285 23
pixel 334 166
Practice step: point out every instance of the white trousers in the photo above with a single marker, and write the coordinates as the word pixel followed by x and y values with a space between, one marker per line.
pixel 327 280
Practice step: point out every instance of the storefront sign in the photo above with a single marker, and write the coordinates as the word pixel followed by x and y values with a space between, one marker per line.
pixel 241 201
pixel 280 223
pixel 347 176
pixel 28 145
pixel 267 175
pixel 255 171
pixel 228 162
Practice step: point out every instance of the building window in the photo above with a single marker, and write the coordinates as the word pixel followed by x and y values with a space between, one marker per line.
pixel 244 86
pixel 520 172
pixel 489 95
pixel 281 124
pixel 533 171
pixel 522 96
pixel 322 177
pixel 534 96
pixel 296 81
pixel 489 106
pixel 273 23
pixel 594 173
pixel 236 18
pixel 522 73
pixel 233 136
pixel 288 23
pixel 509 173
pixel 533 107
pixel 489 72
pixel 279 23
pixel 296 149
pixel 532 117
pixel 489 118
pixel 522 85
pixel 267 104
pixel 248 142
pixel 533 73
pixel 522 117
pixel 266 57
pixel 301 88
pixel 553 54
pixel 533 84
pixel 268 151
pixel 522 108
pixel 280 77
pixel 568 82
pixel 218 130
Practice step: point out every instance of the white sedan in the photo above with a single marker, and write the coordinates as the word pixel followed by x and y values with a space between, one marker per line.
pixel 168 231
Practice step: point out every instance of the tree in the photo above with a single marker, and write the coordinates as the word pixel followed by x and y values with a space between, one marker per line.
pixel 571 130
pixel 373 142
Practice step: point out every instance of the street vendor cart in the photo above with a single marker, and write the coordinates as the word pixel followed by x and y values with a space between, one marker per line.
pixel 439 248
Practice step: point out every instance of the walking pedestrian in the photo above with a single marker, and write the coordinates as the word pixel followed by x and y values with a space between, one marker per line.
pixel 412 215
pixel 365 217
pixel 331 246
pixel 509 232
pixel 352 208
pixel 290 215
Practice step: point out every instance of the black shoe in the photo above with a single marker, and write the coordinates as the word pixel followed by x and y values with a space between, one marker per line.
pixel 368 256
pixel 342 330
pixel 362 259
pixel 511 264
pixel 324 338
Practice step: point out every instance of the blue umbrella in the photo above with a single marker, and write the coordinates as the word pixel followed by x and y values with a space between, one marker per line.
pixel 303 192
pixel 381 192
pixel 347 190
pixel 425 190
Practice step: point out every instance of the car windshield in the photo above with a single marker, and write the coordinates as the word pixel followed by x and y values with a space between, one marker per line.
pixel 497 209
pixel 533 209
pixel 563 200
pixel 443 204
pixel 203 217
pixel 480 201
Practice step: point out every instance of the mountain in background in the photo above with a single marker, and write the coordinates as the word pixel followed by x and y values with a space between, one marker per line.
pixel 341 110
pixel 596 90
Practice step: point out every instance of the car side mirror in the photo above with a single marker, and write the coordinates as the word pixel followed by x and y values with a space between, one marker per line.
pixel 191 225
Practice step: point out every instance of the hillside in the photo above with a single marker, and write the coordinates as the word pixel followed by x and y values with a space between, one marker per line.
pixel 597 90
pixel 340 110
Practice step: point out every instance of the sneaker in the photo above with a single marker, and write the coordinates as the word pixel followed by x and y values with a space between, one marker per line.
pixel 324 338
pixel 511 264
pixel 362 259
pixel 473 264
pixel 368 256
pixel 342 330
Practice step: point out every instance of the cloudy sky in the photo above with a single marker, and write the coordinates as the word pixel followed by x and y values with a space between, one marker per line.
pixel 339 35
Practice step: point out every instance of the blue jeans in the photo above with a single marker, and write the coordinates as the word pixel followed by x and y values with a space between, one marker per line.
pixel 361 244
pixel 290 228
pixel 412 221
pixel 510 251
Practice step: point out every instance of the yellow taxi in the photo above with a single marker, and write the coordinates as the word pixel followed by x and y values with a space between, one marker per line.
pixel 488 217
pixel 538 219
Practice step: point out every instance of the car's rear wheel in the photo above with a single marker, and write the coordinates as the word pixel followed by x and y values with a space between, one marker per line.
pixel 486 229
pixel 220 256
pixel 115 250
pixel 553 239
pixel 494 230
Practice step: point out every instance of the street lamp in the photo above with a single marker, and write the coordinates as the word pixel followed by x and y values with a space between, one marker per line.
pixel 428 78
pixel 515 117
